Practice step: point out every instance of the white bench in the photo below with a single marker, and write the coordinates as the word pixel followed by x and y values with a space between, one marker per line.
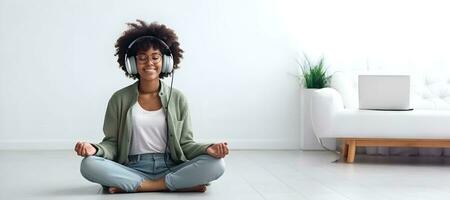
pixel 335 115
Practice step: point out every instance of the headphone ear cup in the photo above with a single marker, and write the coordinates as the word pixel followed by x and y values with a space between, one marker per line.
pixel 127 65
pixel 131 68
pixel 167 64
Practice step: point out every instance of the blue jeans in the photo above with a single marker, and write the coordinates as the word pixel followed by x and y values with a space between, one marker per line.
pixel 200 170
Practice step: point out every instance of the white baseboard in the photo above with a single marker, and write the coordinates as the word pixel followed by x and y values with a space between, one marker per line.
pixel 258 144
pixel 37 144
pixel 235 144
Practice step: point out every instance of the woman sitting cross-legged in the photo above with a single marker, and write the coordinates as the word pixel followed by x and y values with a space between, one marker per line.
pixel 148 144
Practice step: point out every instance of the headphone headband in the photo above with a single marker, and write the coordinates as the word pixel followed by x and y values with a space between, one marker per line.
pixel 167 48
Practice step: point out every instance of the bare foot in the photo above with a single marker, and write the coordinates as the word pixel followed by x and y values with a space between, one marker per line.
pixel 113 190
pixel 198 188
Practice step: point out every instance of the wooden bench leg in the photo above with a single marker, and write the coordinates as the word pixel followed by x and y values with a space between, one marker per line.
pixel 344 149
pixel 351 151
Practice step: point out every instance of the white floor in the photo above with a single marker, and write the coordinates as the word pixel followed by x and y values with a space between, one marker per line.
pixel 279 175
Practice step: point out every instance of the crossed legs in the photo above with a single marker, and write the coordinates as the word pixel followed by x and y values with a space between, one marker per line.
pixel 189 176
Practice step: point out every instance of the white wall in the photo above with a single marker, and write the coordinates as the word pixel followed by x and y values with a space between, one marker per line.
pixel 58 69
pixel 401 35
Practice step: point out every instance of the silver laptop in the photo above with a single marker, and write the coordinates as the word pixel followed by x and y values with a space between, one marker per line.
pixel 384 92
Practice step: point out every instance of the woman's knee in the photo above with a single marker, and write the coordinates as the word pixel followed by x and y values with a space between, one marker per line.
pixel 90 166
pixel 219 166
pixel 215 165
pixel 108 173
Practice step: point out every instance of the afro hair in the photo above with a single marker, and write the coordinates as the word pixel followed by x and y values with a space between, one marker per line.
pixel 140 29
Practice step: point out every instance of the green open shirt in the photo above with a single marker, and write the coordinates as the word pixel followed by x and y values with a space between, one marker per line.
pixel 118 129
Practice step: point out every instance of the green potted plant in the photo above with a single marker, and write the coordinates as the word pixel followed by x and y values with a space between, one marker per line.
pixel 312 76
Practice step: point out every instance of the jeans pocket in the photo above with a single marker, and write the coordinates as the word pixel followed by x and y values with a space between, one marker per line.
pixel 132 162
pixel 162 165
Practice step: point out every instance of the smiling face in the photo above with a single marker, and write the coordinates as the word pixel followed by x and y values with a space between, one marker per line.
pixel 149 64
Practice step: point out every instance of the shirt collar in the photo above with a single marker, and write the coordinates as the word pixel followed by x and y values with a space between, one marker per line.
pixel 163 90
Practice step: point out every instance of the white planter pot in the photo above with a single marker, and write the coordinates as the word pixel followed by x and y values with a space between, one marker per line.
pixel 307 136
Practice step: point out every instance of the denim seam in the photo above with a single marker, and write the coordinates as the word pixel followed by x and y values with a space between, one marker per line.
pixel 137 185
pixel 169 183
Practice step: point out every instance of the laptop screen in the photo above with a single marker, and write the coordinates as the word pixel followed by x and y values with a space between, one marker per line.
pixel 384 92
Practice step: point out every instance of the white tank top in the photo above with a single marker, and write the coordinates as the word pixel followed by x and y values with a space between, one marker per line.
pixel 149 131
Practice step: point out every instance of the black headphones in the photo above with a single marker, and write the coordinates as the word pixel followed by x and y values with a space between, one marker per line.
pixel 167 62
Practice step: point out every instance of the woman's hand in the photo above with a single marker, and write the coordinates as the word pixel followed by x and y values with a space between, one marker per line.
pixel 219 150
pixel 85 149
